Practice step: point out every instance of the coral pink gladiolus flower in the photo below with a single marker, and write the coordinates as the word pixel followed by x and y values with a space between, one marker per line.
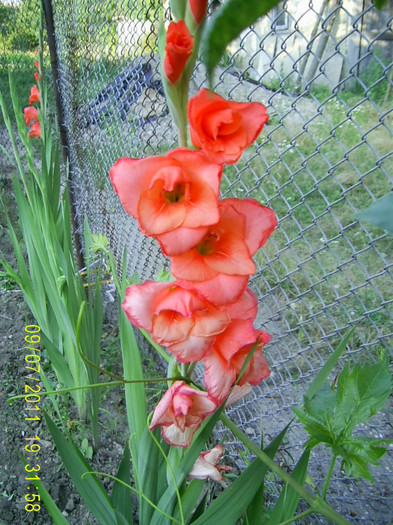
pixel 226 357
pixel 223 128
pixel 198 9
pixel 228 246
pixel 173 197
pixel 30 114
pixel 35 130
pixel 178 49
pixel 34 95
pixel 177 318
pixel 181 412
pixel 206 466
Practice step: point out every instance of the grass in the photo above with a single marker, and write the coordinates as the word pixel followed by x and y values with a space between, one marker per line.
pixel 21 66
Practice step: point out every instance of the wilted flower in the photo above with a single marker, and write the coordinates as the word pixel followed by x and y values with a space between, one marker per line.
pixel 181 412
pixel 206 466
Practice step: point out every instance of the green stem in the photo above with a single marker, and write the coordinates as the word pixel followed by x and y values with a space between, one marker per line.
pixel 297 517
pixel 182 137
pixel 328 477
pixel 316 503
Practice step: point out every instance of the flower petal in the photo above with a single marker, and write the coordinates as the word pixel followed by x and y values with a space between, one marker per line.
pixel 260 222
pixel 220 290
pixel 140 303
pixel 181 240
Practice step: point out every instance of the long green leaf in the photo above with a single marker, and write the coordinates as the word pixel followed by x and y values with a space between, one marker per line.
pixel 121 495
pixel 189 498
pixel 51 507
pixel 288 500
pixel 228 21
pixel 254 511
pixel 132 365
pixel 148 477
pixel 380 213
pixel 90 490
pixel 168 499
pixel 323 374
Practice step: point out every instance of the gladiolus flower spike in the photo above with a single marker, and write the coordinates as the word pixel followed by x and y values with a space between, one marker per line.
pixel 207 314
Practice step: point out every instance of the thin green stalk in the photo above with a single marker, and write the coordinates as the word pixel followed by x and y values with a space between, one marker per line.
pixel 172 475
pixel 328 477
pixel 298 517
pixel 97 473
pixel 316 502
pixel 101 385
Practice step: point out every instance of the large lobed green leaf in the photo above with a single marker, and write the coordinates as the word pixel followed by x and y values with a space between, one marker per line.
pixel 227 22
pixel 330 416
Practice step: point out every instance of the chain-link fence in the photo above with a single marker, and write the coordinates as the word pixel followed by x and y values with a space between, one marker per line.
pixel 324 71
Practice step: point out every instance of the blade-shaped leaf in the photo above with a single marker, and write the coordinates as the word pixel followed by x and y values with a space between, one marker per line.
pixel 121 495
pixel 254 512
pixel 89 488
pixel 227 22
pixel 323 374
pixel 380 213
pixel 51 507
pixel 190 498
pixel 149 454
pixel 288 500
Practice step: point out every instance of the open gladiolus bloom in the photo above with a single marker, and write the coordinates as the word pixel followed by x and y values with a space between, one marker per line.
pixel 223 128
pixel 35 130
pixel 174 198
pixel 30 114
pixel 178 318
